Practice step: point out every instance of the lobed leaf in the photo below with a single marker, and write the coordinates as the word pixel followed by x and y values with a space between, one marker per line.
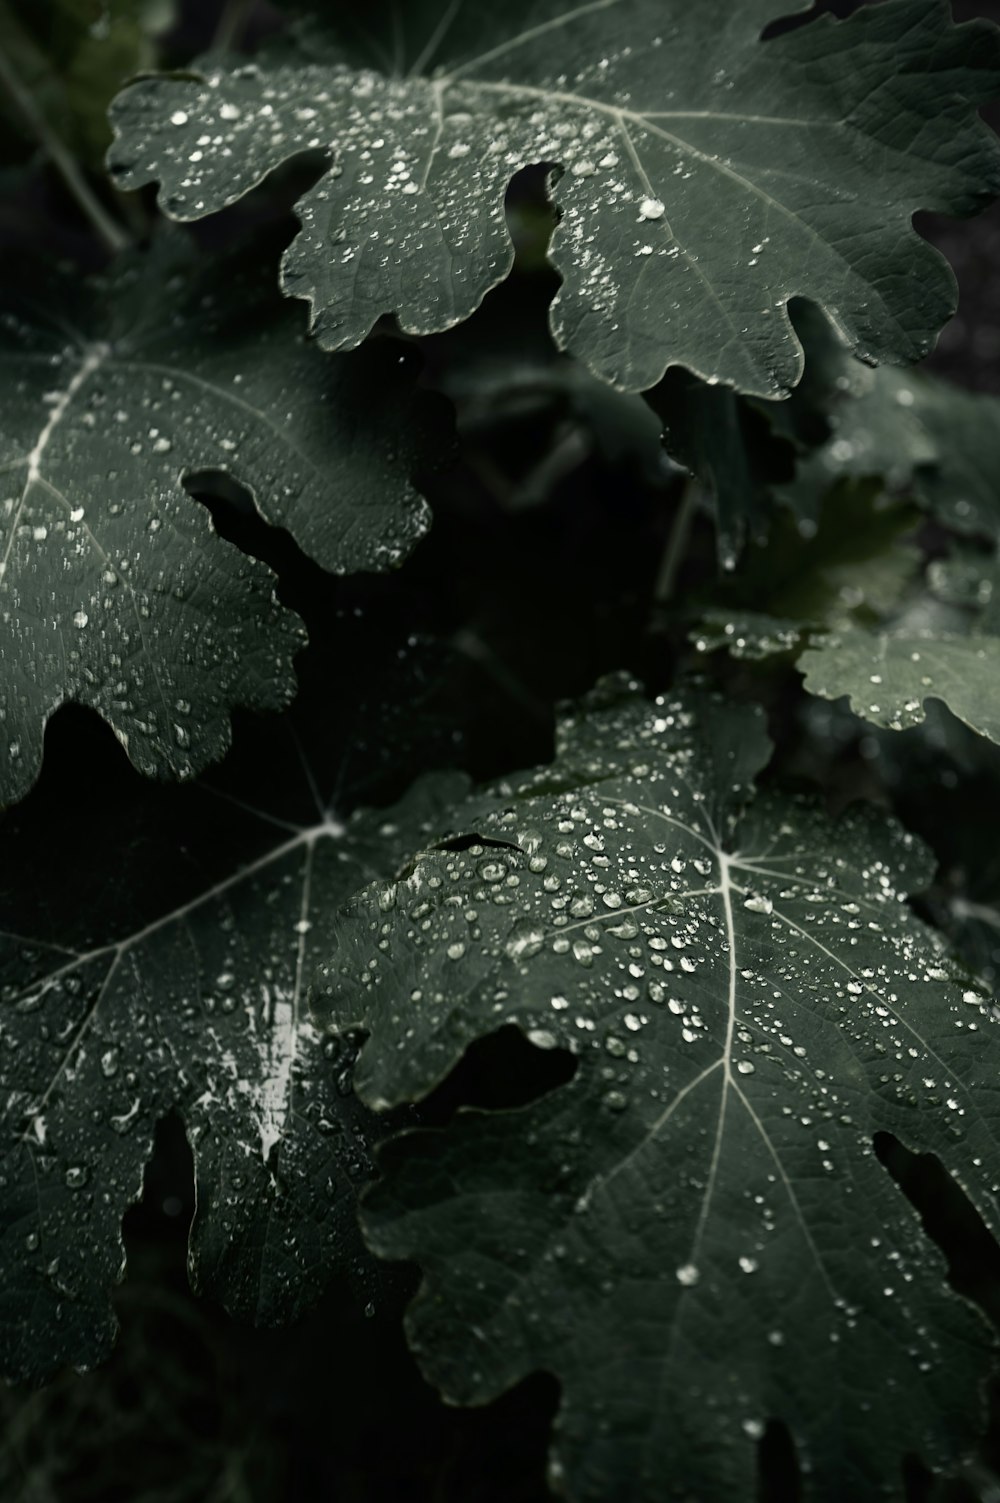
pixel 889 676
pixel 149 967
pixel 115 590
pixel 705 177
pixel 695 1234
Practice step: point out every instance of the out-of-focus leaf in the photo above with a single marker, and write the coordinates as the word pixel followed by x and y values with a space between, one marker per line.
pixel 71 57
pixel 906 428
pixel 855 565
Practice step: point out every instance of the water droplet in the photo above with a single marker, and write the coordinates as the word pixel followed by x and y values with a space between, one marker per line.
pixel 525 939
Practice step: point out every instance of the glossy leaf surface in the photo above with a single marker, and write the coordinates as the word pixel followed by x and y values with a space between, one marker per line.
pixel 888 677
pixel 115 590
pixel 695 1234
pixel 705 177
pixel 157 963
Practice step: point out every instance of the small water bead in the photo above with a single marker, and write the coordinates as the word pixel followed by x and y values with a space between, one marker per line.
pixel 688 1275
pixel 651 208
pixel 80 620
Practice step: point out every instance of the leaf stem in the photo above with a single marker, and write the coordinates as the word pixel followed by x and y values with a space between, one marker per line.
pixel 111 232
pixel 677 541
pixel 234 17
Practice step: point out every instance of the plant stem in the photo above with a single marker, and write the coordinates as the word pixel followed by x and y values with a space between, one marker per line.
pixel 234 17
pixel 677 541
pixel 111 232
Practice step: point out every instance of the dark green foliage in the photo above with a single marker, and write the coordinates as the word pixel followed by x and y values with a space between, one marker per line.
pixel 667 1065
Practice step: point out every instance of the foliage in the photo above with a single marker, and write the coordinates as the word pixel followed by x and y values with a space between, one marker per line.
pixel 669 1061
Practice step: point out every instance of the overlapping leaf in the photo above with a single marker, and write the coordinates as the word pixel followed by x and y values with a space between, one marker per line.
pixel 854 567
pixel 114 589
pixel 916 435
pixel 695 1235
pixel 154 960
pixel 889 676
pixel 706 177
pixel 908 429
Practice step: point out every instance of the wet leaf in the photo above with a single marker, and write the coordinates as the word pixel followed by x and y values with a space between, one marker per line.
pixel 156 961
pixel 704 177
pixel 114 589
pixel 889 677
pixel 751 635
pixel 695 1234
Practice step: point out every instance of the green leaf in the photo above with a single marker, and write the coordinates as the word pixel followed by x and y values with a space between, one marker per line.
pixel 695 1234
pixel 752 636
pixel 706 177
pixel 853 565
pixel 709 430
pixel 910 430
pixel 152 958
pixel 114 589
pixel 943 644
pixel 888 677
